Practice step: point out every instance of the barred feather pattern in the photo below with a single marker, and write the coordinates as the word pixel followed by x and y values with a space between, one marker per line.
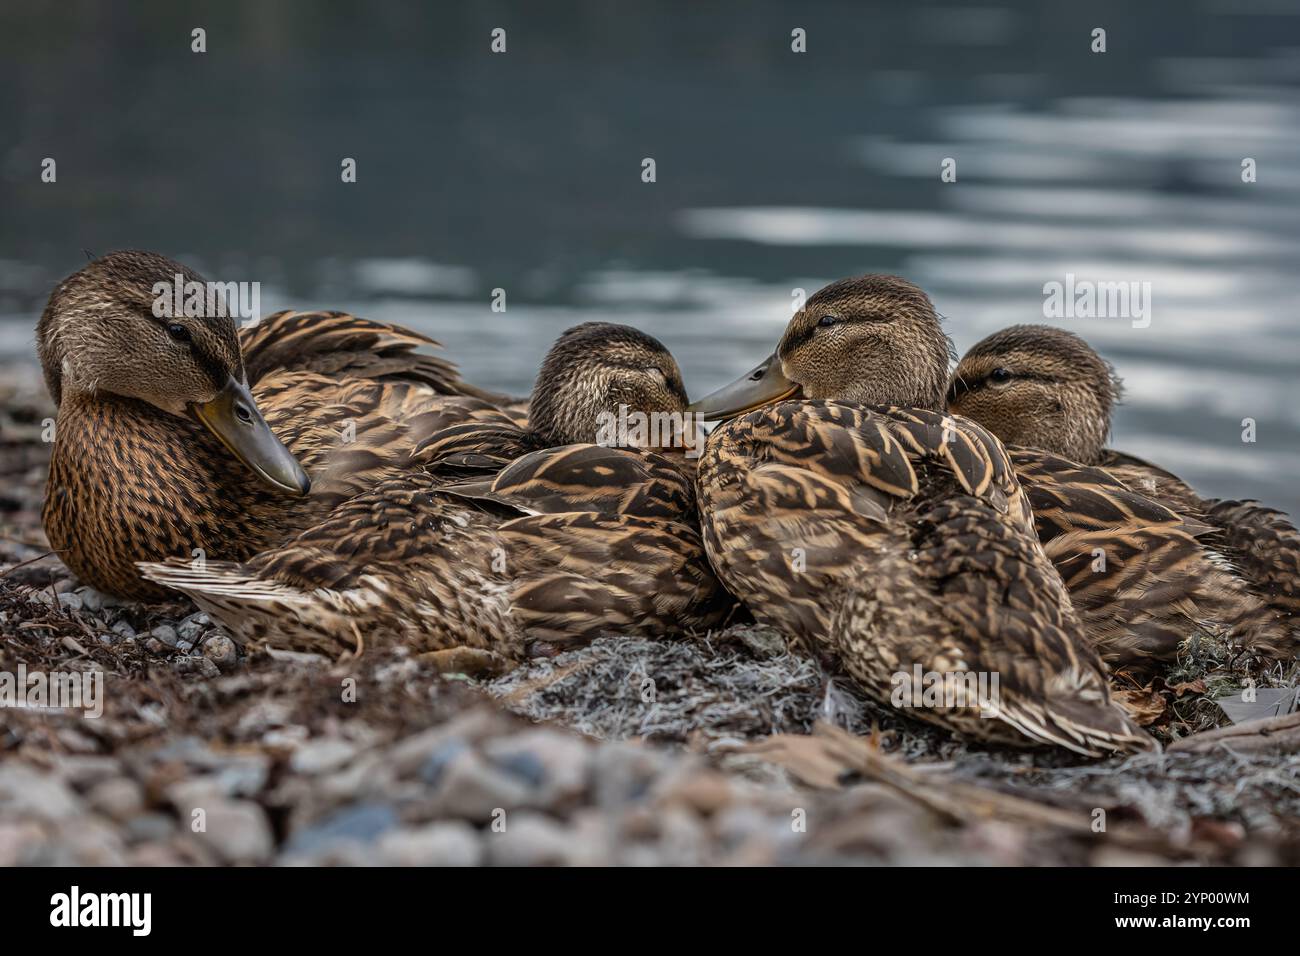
pixel 349 397
pixel 897 536
pixel 1144 577
pixel 1261 543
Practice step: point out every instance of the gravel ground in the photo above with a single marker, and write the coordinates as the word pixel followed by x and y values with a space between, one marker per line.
pixel 721 750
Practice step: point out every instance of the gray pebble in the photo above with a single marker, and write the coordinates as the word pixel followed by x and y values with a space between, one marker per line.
pixel 149 828
pixel 91 599
pixel 190 628
pixel 236 830
pixel 529 839
pixel 438 844
pixel 473 789
pixel 362 822
pixel 321 756
pixel 166 634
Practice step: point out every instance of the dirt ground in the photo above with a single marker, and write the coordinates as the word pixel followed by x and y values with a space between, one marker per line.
pixel 715 750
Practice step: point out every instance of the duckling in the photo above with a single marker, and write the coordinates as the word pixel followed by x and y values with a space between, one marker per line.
pixel 1047 393
pixel 185 436
pixel 846 508
pixel 570 541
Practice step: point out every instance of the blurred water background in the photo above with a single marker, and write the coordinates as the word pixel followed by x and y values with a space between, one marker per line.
pixel 775 171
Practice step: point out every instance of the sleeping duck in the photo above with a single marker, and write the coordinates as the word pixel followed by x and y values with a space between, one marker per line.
pixel 1047 393
pixel 842 505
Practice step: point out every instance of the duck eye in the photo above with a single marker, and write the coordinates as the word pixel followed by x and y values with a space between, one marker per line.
pixel 1000 375
pixel 178 332
pixel 826 321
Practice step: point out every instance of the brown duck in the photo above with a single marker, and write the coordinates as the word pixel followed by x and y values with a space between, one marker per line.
pixel 1047 393
pixel 843 506
pixel 187 437
pixel 568 541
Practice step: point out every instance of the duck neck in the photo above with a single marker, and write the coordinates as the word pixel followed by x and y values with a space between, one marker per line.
pixel 130 483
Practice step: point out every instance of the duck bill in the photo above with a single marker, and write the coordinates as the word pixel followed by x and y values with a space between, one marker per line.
pixel 234 418
pixel 765 383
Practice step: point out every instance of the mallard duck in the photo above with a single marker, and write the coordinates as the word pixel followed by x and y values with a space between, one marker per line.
pixel 187 437
pixel 1141 552
pixel 569 541
pixel 844 507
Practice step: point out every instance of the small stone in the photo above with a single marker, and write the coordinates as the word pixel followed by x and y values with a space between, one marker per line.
pixel 84 771
pixel 91 599
pixel 28 792
pixel 190 628
pixel 155 646
pixel 436 762
pixel 555 763
pixel 438 844
pixel 321 756
pixel 361 822
pixel 222 651
pixel 473 789
pixel 91 842
pixel 236 830
pixel 150 828
pixel 166 634
pixel 125 630
pixel 529 839
pixel 21 844
pixel 119 799
pixel 71 600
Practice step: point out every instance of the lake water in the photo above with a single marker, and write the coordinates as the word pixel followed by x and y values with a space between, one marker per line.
pixel 775 170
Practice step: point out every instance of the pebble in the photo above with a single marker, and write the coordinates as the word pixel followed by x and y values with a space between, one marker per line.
pixel 150 828
pixel 166 634
pixel 221 651
pixel 120 798
pixel 84 771
pixel 190 628
pixel 321 756
pixel 71 600
pixel 529 839
pixel 450 843
pixel 21 843
pixel 25 791
pixel 471 788
pixel 556 764
pixel 363 822
pixel 91 599
pixel 236 830
pixel 124 629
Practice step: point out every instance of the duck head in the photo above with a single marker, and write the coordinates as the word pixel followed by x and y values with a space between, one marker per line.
pixel 875 340
pixel 1038 386
pixel 591 371
pixel 108 331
